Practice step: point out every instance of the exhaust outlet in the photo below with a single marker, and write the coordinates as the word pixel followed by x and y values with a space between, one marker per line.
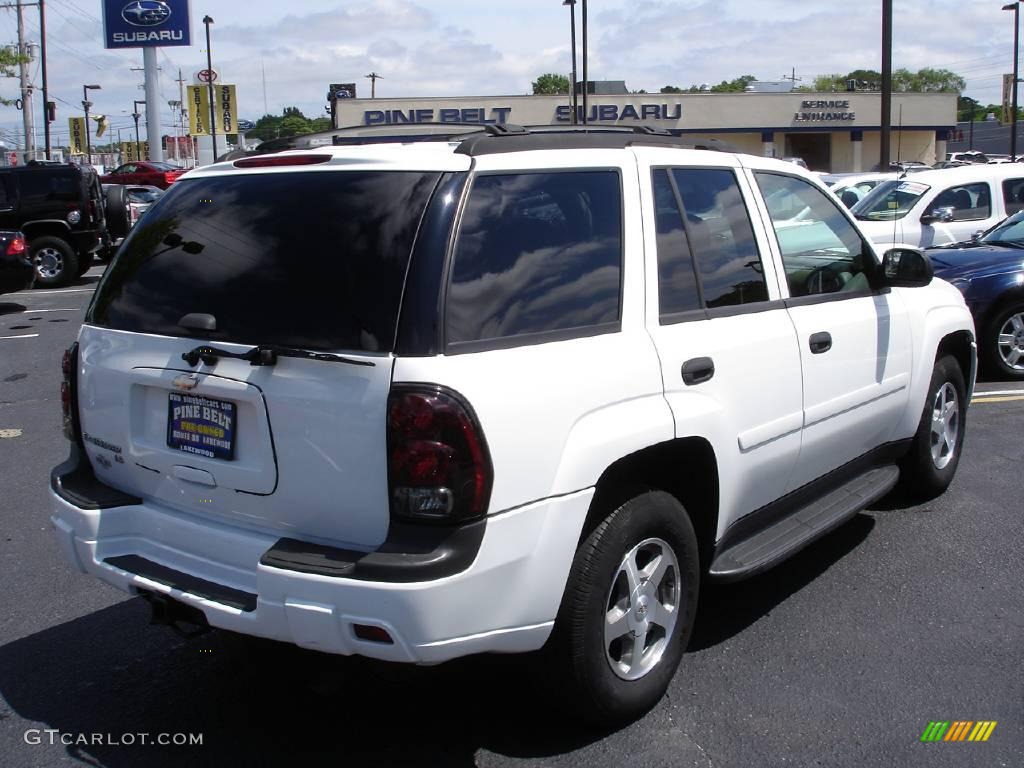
pixel 171 613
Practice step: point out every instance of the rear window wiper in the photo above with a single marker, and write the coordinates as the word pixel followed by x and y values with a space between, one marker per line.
pixel 265 354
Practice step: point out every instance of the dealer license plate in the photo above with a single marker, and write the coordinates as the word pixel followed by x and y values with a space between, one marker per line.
pixel 201 426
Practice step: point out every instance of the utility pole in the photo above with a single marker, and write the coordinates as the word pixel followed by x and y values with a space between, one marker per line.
pixel 793 79
pixel 46 92
pixel 181 113
pixel 26 87
pixel 886 122
pixel 374 77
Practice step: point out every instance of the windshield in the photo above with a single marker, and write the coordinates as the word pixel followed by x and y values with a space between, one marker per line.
pixel 890 200
pixel 312 260
pixel 1008 231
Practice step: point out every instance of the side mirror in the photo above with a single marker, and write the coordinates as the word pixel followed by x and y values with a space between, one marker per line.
pixel 906 268
pixel 977 235
pixel 943 214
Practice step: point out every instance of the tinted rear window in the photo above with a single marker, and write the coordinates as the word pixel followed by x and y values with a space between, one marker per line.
pixel 312 260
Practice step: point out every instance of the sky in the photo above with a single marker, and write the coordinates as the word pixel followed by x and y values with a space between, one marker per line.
pixel 449 48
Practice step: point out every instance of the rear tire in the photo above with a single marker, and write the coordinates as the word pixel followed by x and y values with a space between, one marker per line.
pixel 622 629
pixel 54 260
pixel 930 464
pixel 1003 342
pixel 116 209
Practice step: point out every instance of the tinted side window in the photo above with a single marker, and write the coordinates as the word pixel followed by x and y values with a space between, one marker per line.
pixel 1013 194
pixel 677 281
pixel 970 202
pixel 535 253
pixel 821 250
pixel 44 186
pixel 721 237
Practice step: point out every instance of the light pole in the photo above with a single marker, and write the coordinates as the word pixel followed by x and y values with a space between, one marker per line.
pixel 209 68
pixel 572 28
pixel 583 3
pixel 85 105
pixel 136 116
pixel 1015 7
pixel 174 104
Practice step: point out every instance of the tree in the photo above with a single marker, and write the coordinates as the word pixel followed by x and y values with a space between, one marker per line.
pixel 739 85
pixel 867 79
pixel 551 83
pixel 967 109
pixel 833 82
pixel 291 122
pixel 9 60
pixel 671 89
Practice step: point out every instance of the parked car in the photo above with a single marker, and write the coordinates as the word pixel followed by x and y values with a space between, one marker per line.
pixel 989 271
pixel 144 172
pixel 16 270
pixel 541 385
pixel 941 206
pixel 60 210
pixel 851 188
pixel 967 156
pixel 795 161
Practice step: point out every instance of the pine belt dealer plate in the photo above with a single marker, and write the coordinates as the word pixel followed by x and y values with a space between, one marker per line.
pixel 201 426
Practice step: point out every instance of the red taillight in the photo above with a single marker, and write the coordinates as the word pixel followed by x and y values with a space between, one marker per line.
pixel 170 176
pixel 271 161
pixel 438 465
pixel 16 247
pixel 68 365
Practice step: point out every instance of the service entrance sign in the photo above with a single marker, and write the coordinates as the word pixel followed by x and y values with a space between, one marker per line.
pixel 145 23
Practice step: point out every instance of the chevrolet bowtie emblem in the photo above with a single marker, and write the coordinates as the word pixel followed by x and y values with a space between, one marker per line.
pixel 186 381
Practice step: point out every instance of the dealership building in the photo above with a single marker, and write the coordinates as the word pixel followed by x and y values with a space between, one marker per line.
pixel 837 132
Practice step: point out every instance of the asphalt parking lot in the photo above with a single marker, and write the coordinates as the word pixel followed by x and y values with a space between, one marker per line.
pixel 840 657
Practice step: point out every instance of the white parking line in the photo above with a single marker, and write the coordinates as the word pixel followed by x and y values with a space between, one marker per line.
pixel 25 336
pixel 26 294
pixel 34 311
pixel 987 392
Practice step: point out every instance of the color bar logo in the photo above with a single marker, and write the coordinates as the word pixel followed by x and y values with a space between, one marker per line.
pixel 958 730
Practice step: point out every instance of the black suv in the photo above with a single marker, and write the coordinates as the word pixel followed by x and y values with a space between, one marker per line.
pixel 60 210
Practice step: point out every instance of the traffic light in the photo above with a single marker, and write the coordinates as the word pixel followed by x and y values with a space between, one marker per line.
pixel 51 111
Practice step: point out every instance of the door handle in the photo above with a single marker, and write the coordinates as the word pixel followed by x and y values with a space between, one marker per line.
pixel 698 370
pixel 820 342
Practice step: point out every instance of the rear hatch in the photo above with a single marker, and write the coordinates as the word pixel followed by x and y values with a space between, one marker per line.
pixel 302 272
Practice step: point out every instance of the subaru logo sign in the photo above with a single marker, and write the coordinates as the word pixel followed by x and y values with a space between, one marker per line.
pixel 146 13
pixel 145 23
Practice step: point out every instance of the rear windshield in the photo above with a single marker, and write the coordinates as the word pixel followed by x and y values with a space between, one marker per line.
pixel 312 260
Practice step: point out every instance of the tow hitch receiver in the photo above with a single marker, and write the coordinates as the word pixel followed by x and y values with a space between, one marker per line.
pixel 171 613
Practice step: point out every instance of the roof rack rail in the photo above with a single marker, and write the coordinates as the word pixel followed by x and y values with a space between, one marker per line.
pixel 652 130
pixel 505 129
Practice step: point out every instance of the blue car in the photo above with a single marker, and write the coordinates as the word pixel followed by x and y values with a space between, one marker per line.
pixel 989 271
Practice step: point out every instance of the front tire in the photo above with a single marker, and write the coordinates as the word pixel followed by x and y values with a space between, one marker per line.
pixel 627 612
pixel 928 468
pixel 54 260
pixel 1004 342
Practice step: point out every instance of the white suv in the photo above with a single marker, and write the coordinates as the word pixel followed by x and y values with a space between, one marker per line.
pixel 515 391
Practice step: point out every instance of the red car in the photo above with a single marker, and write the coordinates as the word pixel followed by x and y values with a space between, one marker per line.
pixel 160 175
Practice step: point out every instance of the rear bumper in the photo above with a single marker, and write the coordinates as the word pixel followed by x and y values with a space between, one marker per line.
pixel 504 600
pixel 15 277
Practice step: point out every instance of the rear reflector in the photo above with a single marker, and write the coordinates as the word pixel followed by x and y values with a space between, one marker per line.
pixel 279 160
pixel 372 634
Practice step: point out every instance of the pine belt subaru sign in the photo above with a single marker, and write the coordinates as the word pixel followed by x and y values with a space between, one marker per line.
pixel 145 23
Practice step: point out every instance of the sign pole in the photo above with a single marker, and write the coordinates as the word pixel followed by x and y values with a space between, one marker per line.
pixel 153 132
